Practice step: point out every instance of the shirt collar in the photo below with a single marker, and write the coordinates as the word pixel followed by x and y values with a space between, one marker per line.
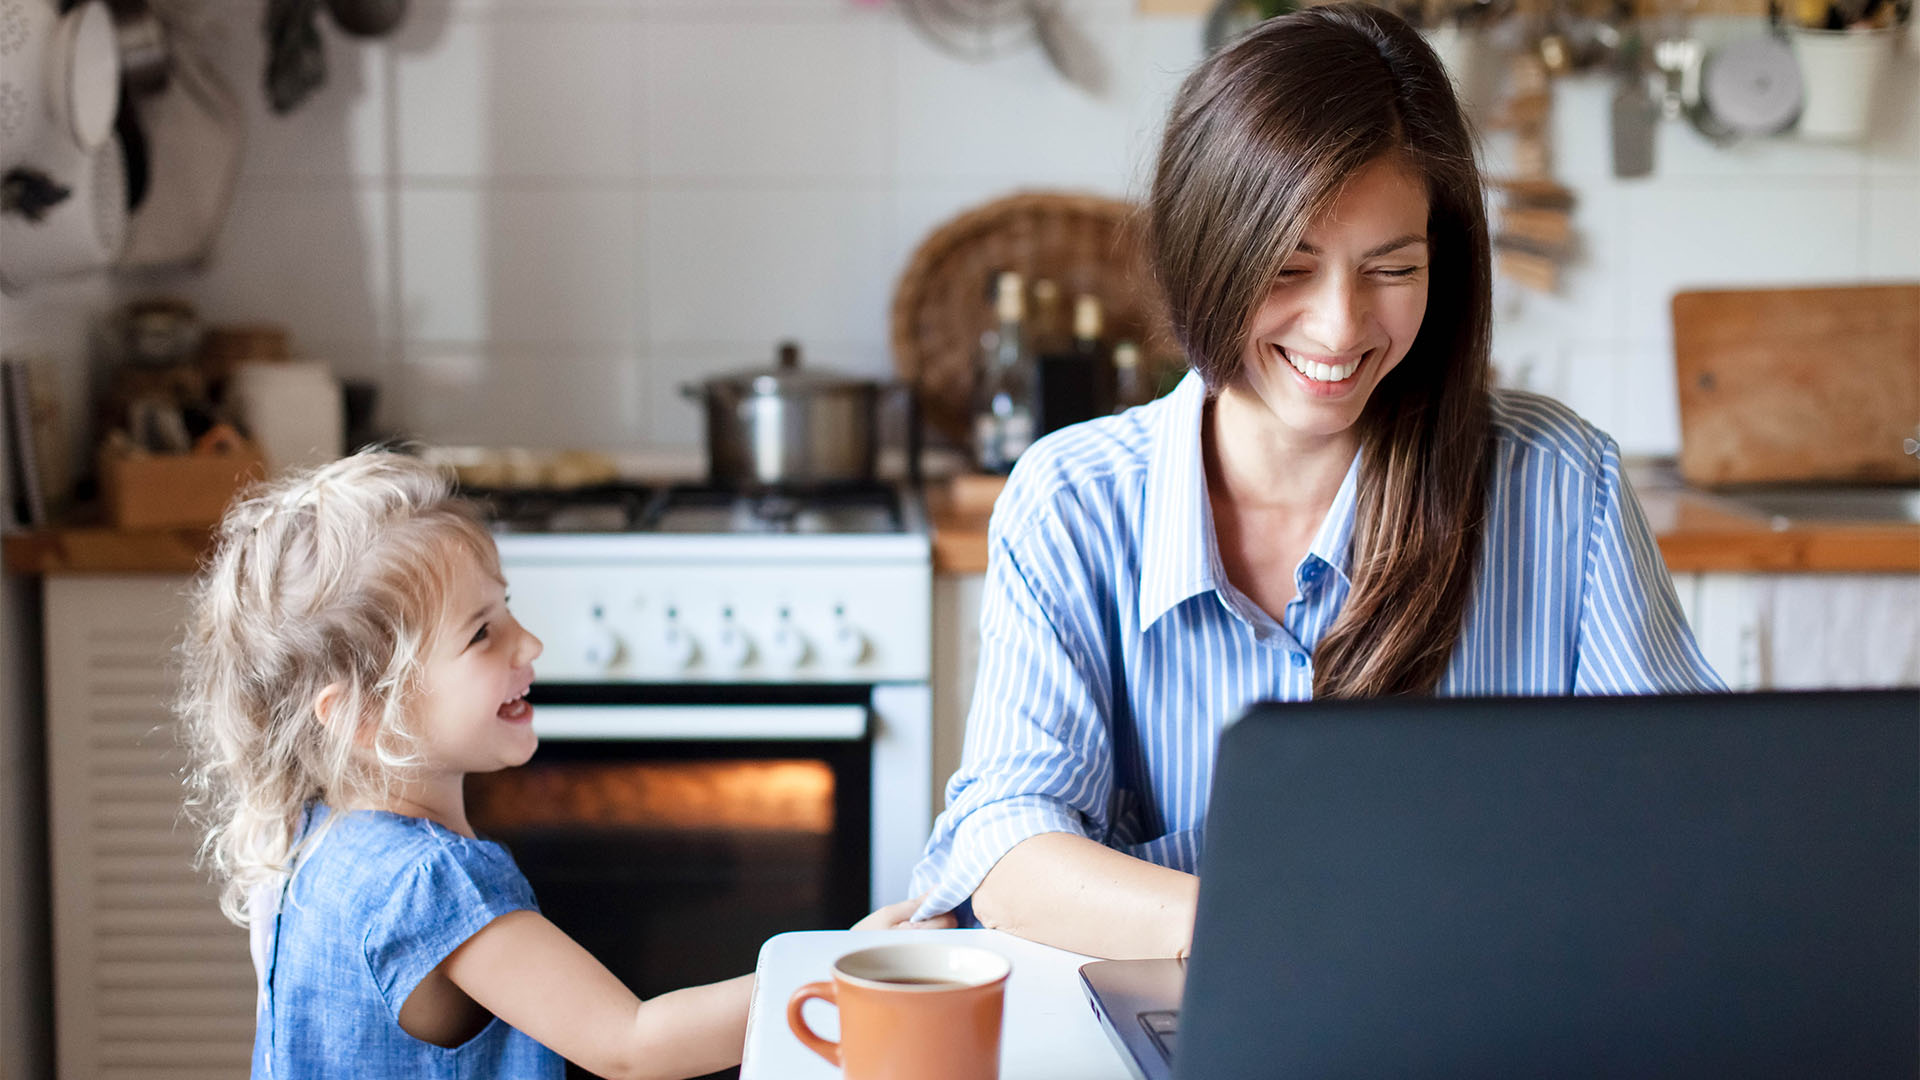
pixel 1179 557
pixel 1333 544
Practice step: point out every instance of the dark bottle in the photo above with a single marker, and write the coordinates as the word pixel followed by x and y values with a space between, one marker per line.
pixel 1046 323
pixel 1073 382
pixel 1090 345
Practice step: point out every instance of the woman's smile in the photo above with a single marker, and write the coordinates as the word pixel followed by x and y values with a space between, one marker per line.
pixel 1324 375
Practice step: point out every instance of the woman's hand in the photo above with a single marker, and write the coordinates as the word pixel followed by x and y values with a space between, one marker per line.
pixel 899 916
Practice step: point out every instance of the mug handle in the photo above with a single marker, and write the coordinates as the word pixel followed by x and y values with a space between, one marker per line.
pixel 825 992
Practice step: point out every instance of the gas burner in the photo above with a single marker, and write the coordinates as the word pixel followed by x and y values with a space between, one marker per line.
pixel 605 508
pixel 865 510
pixel 776 510
pixel 628 508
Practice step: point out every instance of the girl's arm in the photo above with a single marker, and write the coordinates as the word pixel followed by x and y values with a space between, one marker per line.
pixel 1075 893
pixel 529 973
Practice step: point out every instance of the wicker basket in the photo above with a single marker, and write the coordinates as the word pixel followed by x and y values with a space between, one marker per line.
pixel 944 301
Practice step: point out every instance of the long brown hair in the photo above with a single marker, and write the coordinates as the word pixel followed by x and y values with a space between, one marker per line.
pixel 1259 141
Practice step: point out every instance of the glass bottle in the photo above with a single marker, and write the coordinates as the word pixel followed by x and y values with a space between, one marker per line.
pixel 1003 391
pixel 1129 381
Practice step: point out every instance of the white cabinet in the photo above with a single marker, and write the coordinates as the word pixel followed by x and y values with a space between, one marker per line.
pixel 1759 631
pixel 1806 631
pixel 956 657
pixel 150 981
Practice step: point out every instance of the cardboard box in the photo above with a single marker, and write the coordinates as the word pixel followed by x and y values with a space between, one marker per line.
pixel 152 491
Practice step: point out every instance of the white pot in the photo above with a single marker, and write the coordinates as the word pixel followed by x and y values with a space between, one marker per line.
pixel 1841 71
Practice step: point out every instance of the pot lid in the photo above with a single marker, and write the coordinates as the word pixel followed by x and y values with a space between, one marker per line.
pixel 787 376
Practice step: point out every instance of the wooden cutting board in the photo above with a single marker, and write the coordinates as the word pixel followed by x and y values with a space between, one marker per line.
pixel 1798 386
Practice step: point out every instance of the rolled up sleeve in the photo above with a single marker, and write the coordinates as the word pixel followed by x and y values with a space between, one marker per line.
pixel 1038 755
pixel 1633 636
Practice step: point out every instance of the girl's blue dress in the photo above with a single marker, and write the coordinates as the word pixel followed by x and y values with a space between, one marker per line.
pixel 379 902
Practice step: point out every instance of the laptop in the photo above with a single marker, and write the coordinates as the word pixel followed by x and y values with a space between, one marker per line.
pixel 1700 885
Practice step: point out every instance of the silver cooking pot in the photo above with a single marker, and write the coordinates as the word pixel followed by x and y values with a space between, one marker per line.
pixel 792 428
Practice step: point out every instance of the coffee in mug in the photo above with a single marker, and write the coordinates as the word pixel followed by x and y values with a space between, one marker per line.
pixel 920 1011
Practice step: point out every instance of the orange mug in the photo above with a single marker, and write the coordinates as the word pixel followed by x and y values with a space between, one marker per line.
pixel 911 1012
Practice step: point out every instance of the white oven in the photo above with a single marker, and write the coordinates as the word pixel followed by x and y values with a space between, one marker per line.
pixel 735 736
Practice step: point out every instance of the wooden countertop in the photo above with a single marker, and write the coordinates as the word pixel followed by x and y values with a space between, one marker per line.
pixel 1696 532
pixel 101 549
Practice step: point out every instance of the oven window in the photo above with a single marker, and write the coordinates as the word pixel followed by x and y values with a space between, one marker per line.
pixel 777 796
pixel 673 863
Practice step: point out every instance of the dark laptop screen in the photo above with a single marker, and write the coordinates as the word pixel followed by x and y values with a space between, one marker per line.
pixel 1653 886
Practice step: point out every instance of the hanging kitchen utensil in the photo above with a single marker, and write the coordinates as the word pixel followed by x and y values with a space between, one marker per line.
pixel 973 30
pixel 1677 56
pixel 194 130
pixel 296 59
pixel 82 233
pixel 59 77
pixel 1067 46
pixel 62 199
pixel 982 30
pixel 1750 86
pixel 1228 19
pixel 1843 72
pixel 367 18
pixel 1634 113
pixel 145 54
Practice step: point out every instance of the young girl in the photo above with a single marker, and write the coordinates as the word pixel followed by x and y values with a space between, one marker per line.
pixel 350 659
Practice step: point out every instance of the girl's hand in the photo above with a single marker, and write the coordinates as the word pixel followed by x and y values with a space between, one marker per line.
pixel 899 916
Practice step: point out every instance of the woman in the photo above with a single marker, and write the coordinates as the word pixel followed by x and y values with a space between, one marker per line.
pixel 1333 503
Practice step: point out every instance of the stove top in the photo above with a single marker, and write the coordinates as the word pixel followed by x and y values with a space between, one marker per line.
pixel 626 507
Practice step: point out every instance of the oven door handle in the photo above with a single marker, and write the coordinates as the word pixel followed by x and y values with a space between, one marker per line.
pixel 710 723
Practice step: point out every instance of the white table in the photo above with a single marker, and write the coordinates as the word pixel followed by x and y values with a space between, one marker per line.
pixel 1049 1031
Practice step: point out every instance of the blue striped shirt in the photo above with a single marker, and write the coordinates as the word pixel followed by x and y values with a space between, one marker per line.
pixel 1113 649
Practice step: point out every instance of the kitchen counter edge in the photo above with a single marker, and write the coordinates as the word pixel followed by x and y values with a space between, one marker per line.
pixel 1696 533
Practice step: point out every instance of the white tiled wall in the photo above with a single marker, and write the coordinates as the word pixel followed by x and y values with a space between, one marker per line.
pixel 533 220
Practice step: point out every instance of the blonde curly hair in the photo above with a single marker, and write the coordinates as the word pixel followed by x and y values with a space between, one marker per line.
pixel 336 575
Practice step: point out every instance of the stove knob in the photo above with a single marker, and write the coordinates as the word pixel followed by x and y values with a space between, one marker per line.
pixel 846 644
pixel 786 646
pixel 732 648
pixel 603 647
pixel 677 648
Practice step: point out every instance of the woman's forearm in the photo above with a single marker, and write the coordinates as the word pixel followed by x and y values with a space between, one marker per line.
pixel 1073 893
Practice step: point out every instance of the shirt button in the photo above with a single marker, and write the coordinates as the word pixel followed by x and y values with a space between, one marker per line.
pixel 1299 659
pixel 1310 571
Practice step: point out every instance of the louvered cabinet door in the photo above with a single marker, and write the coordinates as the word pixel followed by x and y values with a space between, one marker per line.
pixel 150 981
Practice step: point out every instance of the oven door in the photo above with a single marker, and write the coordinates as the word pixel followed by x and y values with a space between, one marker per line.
pixel 671 833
